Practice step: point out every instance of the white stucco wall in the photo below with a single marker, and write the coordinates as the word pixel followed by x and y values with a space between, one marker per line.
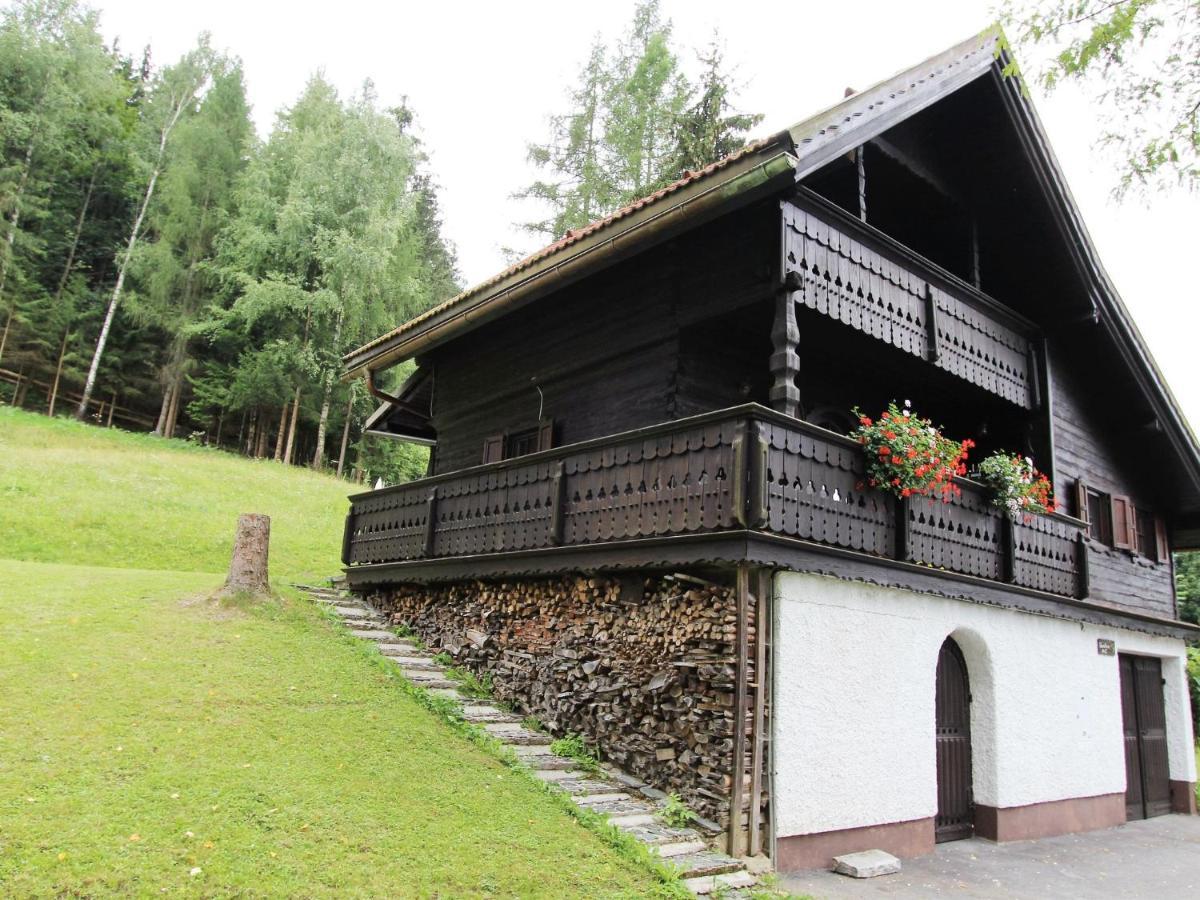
pixel 854 711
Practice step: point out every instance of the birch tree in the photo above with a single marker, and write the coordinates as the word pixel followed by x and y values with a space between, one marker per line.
pixel 1140 61
pixel 172 277
pixel 174 95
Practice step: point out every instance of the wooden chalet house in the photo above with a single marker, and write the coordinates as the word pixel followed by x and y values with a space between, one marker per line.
pixel 644 518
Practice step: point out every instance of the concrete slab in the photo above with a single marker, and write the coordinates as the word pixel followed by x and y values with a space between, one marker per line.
pixel 1157 858
pixel 866 864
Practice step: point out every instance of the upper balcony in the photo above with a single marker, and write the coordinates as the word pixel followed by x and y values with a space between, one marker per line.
pixel 852 273
pixel 739 472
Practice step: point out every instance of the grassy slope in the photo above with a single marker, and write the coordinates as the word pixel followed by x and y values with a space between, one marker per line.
pixel 84 495
pixel 130 706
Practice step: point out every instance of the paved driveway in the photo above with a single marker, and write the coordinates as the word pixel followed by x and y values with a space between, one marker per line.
pixel 1157 858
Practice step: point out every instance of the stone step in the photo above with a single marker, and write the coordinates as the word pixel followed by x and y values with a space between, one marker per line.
pixel 631 822
pixel 705 862
pixel 479 714
pixel 373 634
pixel 556 775
pixel 680 848
pixel 616 808
pixel 450 693
pixel 400 647
pixel 424 663
pixel 511 733
pixel 584 786
pixel 599 801
pixel 542 762
pixel 426 679
pixel 320 591
pixel 657 833
pixel 708 884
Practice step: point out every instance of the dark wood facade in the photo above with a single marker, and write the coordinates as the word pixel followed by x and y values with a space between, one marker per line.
pixel 697 387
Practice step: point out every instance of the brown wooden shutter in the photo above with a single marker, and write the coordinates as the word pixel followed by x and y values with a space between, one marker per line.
pixel 1162 546
pixel 545 434
pixel 1081 501
pixel 1124 528
pixel 493 448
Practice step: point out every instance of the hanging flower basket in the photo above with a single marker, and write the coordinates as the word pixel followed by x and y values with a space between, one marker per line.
pixel 1016 484
pixel 908 456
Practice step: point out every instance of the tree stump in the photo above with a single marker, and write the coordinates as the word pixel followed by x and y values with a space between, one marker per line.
pixel 248 568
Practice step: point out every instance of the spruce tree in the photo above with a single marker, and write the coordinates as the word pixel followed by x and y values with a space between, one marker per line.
pixel 710 128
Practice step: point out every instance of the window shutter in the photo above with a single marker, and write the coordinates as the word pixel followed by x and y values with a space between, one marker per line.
pixel 1162 546
pixel 545 434
pixel 1123 527
pixel 1081 501
pixel 493 448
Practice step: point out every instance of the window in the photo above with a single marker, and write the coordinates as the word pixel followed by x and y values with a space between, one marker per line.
pixel 1144 523
pixel 1124 531
pixel 1095 508
pixel 1112 519
pixel 511 444
pixel 519 443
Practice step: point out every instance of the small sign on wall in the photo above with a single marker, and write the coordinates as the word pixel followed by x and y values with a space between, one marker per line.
pixel 1105 647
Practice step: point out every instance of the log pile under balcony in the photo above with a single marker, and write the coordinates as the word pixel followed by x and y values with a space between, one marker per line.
pixel 642 667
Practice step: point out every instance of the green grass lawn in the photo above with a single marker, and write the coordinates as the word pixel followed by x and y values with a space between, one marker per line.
pixel 91 496
pixel 152 742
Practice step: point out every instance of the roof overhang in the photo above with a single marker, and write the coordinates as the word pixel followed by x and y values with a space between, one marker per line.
pixel 762 169
pixel 406 417
pixel 776 164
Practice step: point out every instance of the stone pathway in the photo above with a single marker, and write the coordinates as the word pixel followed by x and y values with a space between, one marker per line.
pixel 628 803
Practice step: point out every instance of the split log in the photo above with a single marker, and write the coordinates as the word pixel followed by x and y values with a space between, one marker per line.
pixel 642 666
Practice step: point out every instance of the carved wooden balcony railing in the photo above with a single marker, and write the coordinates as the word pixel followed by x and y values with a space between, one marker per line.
pixel 743 469
pixel 850 272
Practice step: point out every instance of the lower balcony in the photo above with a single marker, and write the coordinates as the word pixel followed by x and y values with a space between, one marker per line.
pixel 739 485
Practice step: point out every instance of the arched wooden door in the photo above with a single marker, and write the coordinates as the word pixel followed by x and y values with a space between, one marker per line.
pixel 956 809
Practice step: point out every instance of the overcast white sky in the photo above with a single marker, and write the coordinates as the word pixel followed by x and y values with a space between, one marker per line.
pixel 482 77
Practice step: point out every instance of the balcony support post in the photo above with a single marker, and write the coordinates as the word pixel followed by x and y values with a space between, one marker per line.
pixel 348 537
pixel 1084 587
pixel 558 487
pixel 430 521
pixel 737 789
pixel 785 340
pixel 1008 549
pixel 931 325
pixel 903 528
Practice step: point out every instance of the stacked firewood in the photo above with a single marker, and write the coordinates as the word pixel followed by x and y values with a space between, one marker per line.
pixel 643 668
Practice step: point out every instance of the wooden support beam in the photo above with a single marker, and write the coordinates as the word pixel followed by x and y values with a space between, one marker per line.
pixel 431 520
pixel 931 325
pixel 558 497
pixel 1008 549
pixel 1084 587
pixel 762 681
pixel 756 477
pixel 903 528
pixel 785 358
pixel 348 537
pixel 737 843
